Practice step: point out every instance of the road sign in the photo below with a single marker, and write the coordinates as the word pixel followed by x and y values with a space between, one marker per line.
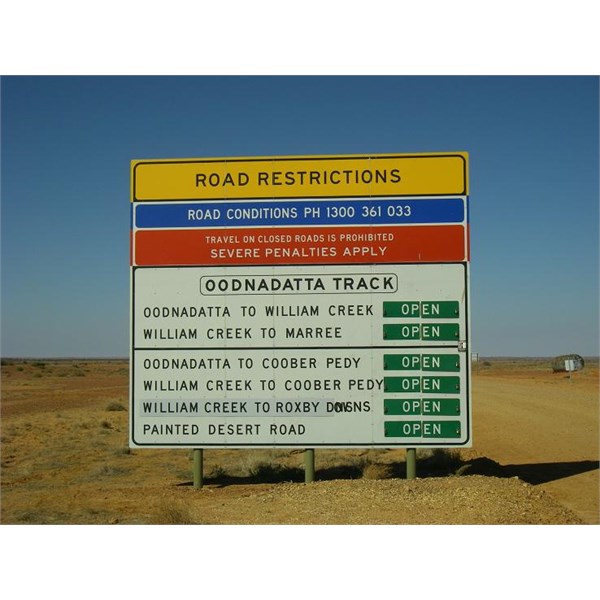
pixel 300 177
pixel 328 315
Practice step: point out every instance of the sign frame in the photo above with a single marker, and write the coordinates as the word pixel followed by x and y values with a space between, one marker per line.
pixel 142 195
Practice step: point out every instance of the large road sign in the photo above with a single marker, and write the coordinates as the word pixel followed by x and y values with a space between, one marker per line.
pixel 306 319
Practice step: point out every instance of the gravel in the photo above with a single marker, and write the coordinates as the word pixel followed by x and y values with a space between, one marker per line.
pixel 464 500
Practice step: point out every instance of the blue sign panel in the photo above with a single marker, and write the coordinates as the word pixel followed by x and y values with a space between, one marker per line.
pixel 389 211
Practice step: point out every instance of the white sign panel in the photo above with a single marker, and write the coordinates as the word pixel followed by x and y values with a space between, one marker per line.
pixel 572 364
pixel 363 355
pixel 279 307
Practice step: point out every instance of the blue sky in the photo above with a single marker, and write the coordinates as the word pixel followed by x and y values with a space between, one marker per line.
pixel 67 143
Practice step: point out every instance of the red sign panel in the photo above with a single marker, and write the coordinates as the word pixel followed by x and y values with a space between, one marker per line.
pixel 308 245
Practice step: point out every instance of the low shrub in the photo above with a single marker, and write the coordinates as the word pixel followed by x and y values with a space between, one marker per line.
pixel 378 471
pixel 169 513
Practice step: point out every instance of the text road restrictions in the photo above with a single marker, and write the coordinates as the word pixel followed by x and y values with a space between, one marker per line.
pixel 308 319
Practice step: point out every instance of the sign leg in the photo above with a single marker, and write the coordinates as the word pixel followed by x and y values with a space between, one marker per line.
pixel 309 465
pixel 411 463
pixel 198 465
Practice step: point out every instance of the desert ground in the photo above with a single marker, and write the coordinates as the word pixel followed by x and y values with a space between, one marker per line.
pixel 66 460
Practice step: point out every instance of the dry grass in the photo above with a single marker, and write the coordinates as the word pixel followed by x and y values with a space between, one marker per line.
pixel 65 454
pixel 378 471
pixel 173 513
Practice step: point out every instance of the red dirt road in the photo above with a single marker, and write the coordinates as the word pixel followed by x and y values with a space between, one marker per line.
pixel 543 428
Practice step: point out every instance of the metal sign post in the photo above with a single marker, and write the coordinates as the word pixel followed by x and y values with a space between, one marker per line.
pixel 411 463
pixel 309 465
pixel 198 470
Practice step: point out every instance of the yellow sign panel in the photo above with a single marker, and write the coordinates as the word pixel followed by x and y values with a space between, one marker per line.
pixel 301 177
